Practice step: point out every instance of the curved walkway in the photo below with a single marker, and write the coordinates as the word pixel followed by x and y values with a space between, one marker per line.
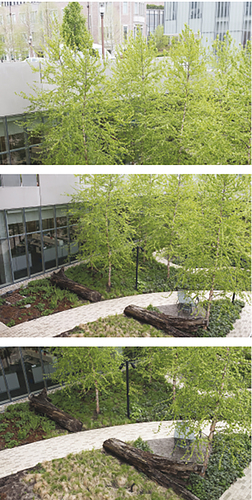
pixel 23 457
pixel 55 324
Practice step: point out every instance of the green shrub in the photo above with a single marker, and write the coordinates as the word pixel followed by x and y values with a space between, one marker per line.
pixel 142 445
pixel 223 468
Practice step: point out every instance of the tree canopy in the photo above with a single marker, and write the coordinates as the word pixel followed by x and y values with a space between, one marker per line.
pixel 190 107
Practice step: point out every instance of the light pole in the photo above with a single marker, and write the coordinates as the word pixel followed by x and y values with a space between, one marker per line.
pixel 102 10
pixel 30 46
pixel 126 363
pixel 88 17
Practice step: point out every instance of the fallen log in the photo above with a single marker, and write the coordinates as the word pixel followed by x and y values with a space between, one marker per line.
pixel 165 472
pixel 61 280
pixel 42 403
pixel 179 327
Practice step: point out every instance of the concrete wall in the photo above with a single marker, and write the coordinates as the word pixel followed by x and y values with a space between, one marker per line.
pixel 15 77
pixel 51 191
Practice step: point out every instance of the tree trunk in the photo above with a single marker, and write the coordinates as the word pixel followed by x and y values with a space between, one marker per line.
pixel 165 472
pixel 61 280
pixel 43 404
pixel 179 327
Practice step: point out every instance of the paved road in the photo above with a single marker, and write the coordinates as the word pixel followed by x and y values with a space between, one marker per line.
pixel 50 326
pixel 22 457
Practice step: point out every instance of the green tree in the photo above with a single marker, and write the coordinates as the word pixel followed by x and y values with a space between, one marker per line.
pixel 212 388
pixel 134 84
pixel 74 31
pixel 231 103
pixel 161 40
pixel 93 368
pixel 219 237
pixel 70 111
pixel 105 236
pixel 171 212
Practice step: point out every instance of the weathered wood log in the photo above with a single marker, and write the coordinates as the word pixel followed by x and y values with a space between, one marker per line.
pixel 179 327
pixel 61 280
pixel 42 403
pixel 165 472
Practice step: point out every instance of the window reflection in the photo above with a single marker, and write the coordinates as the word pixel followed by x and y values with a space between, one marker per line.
pixel 5 269
pixel 15 222
pixel 32 219
pixel 35 252
pixel 37 367
pixel 49 245
pixel 18 254
pixel 47 217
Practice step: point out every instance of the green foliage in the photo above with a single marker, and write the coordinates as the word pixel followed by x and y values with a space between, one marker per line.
pixel 223 469
pixel 223 315
pixel 74 31
pixel 142 445
pixel 11 323
pixel 161 40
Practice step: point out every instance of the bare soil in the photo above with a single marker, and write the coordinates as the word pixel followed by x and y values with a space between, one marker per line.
pixel 10 310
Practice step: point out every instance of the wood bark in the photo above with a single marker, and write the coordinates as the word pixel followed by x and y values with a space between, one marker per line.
pixel 42 404
pixel 179 327
pixel 61 280
pixel 165 472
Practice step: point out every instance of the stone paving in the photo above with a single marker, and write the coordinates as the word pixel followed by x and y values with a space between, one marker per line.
pixel 23 457
pixel 55 324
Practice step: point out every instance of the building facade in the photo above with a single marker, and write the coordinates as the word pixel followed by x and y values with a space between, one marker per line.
pixel 36 234
pixel 24 370
pixel 210 19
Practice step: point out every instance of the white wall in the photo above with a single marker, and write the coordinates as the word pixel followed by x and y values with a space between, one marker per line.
pixel 15 77
pixel 51 191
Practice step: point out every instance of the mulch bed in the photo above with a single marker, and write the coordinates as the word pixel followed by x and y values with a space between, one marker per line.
pixel 14 488
pixel 10 311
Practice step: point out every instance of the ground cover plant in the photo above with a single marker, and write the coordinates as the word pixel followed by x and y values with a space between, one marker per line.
pixel 38 298
pixel 223 468
pixel 223 315
pixel 20 424
pixel 94 475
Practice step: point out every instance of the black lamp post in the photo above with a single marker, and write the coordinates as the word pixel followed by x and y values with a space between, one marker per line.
pixel 126 363
pixel 102 10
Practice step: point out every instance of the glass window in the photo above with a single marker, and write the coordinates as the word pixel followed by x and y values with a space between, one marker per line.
pixel 35 253
pixel 125 32
pixel 125 7
pixel 136 8
pixel 19 157
pixel 2 137
pixel 18 257
pixel 247 32
pixel 36 371
pixel 47 217
pixel 247 8
pixel 61 215
pixel 11 180
pixel 4 159
pixel 49 246
pixel 11 362
pixel 29 179
pixel 3 232
pixel 195 10
pixel 74 246
pixel 15 222
pixel 5 268
pixel 171 11
pixel 32 219
pixel 223 9
pixel 62 245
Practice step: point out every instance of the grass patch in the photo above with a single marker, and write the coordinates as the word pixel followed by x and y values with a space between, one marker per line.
pixel 149 400
pixel 94 475
pixel 117 326
pixel 223 314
